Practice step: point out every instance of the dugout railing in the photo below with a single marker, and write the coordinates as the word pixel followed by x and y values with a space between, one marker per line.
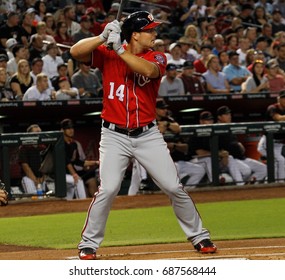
pixel 213 131
pixel 10 140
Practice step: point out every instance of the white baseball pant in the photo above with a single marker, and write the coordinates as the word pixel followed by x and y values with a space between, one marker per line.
pixel 72 189
pixel 151 151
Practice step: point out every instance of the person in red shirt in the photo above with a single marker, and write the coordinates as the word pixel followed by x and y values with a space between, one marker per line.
pixel 200 64
pixel 276 80
pixel 132 75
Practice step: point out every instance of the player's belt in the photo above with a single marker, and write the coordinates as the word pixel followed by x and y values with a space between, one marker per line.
pixel 130 132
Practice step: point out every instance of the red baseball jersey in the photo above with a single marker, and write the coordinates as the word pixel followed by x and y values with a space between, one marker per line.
pixel 129 98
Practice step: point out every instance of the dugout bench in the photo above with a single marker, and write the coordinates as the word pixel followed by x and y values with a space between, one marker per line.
pixel 266 128
pixel 8 140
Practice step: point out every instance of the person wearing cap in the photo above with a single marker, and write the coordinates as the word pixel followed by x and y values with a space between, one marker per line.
pixel 235 73
pixel 96 28
pixel 11 29
pixel 28 28
pixel 200 64
pixel 276 80
pixel 30 161
pixel 192 84
pixel 246 13
pixel 252 170
pixel 200 152
pixel 51 61
pixel 170 84
pixel 65 91
pixel 85 25
pixel 10 43
pixel 79 171
pixel 40 91
pixel 131 79
pixel 277 22
pixel 3 60
pixel 258 82
pixel 187 49
pixel 86 81
pixel 176 55
pixel 216 81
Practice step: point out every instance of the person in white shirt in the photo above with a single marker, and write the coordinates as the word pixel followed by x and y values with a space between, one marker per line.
pixel 176 55
pixel 65 91
pixel 39 91
pixel 51 61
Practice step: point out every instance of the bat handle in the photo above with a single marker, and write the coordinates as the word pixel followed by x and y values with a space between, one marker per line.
pixel 110 46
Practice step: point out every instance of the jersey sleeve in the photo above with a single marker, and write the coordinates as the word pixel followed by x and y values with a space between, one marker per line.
pixel 161 61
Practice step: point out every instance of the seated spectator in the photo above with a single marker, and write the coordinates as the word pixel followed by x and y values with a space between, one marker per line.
pixel 259 16
pixel 62 71
pixel 36 48
pixel 200 64
pixel 61 35
pixel 27 26
pixel 10 43
pixel 235 73
pixel 176 55
pixel 257 82
pixel 218 44
pixel 192 33
pixel 40 10
pixel 281 56
pixel 261 45
pixel 19 52
pixel 170 84
pixel 87 82
pixel 85 24
pixel 51 61
pixel 232 42
pixel 216 81
pixel 277 21
pixel 276 80
pixel 192 84
pixel 69 18
pixel 42 30
pixel 188 53
pixel 50 24
pixel 30 161
pixel 65 91
pixel 22 80
pixel 6 94
pixel 244 45
pixel 223 59
pixel 10 29
pixel 79 170
pixel 40 91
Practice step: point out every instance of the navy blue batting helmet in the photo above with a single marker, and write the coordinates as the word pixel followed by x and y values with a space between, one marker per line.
pixel 137 22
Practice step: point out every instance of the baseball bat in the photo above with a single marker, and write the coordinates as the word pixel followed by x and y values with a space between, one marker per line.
pixel 118 17
pixel 58 44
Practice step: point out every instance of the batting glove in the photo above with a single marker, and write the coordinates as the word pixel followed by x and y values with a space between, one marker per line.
pixel 114 39
pixel 112 26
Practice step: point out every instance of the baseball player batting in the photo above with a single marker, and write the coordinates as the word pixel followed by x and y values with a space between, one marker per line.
pixel 132 74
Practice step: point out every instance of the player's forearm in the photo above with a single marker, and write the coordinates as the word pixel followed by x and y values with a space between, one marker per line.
pixel 83 49
pixel 140 65
pixel 28 172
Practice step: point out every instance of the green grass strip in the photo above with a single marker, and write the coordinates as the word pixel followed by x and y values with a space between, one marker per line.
pixel 226 220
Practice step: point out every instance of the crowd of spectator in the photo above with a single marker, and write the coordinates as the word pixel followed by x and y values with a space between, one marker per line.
pixel 222 39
